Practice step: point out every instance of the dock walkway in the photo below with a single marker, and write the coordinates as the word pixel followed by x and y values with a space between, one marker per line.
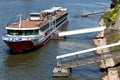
pixel 87 60
pixel 91 13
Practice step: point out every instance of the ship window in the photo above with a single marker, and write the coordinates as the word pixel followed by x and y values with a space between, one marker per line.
pixel 23 32
pixel 61 22
pixel 30 32
pixel 12 32
pixel 36 32
pixel 65 15
pixel 8 31
pixel 44 27
pixel 35 15
pixel 27 32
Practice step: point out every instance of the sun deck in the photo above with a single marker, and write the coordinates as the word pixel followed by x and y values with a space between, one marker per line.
pixel 44 17
pixel 25 24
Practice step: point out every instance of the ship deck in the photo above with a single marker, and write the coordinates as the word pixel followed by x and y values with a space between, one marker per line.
pixel 27 23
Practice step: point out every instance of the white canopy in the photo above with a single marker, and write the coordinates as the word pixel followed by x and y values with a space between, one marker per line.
pixel 53 9
pixel 35 13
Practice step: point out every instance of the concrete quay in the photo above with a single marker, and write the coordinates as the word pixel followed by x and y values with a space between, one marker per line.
pixel 112 72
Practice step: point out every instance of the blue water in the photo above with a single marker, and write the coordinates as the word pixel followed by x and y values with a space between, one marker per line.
pixel 38 65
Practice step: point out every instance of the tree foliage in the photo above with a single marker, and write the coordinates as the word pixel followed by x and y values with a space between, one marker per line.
pixel 115 2
pixel 110 16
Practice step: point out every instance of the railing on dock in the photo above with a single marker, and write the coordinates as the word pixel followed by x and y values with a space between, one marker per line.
pixel 74 62
pixel 65 65
pixel 66 62
pixel 87 60
pixel 81 31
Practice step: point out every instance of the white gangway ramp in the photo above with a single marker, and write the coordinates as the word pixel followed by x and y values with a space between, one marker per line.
pixel 81 31
pixel 87 50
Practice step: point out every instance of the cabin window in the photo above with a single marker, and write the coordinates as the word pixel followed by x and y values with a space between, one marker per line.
pixel 30 32
pixel 43 28
pixel 60 22
pixel 12 32
pixel 35 15
pixel 60 18
pixel 23 32
pixel 36 32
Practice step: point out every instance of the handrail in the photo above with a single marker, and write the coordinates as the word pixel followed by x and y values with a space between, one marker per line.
pixel 87 50
pixel 81 31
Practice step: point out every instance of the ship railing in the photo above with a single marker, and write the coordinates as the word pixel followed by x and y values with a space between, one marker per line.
pixel 8 24
pixel 19 38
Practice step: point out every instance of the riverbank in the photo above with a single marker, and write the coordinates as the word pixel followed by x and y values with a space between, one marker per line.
pixel 111 72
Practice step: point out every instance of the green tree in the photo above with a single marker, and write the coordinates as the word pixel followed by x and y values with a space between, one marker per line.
pixel 115 2
pixel 110 16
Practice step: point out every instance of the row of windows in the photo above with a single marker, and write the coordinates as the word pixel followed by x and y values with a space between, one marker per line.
pixel 47 25
pixel 60 18
pixel 43 28
pixel 61 22
pixel 27 32
pixel 23 32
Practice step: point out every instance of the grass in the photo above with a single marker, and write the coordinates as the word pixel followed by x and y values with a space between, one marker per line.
pixel 113 38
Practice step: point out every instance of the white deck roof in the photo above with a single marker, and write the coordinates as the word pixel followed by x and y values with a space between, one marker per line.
pixel 48 10
pixel 53 9
pixel 56 8
pixel 35 13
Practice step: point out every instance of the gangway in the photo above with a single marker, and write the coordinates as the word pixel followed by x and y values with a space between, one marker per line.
pixel 81 31
pixel 87 50
pixel 67 64
pixel 64 65
pixel 76 61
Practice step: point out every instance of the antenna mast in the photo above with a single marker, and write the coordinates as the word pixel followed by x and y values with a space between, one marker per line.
pixel 20 20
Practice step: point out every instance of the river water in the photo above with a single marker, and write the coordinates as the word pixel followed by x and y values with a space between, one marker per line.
pixel 38 65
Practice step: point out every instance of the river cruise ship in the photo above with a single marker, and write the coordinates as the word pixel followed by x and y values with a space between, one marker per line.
pixel 35 31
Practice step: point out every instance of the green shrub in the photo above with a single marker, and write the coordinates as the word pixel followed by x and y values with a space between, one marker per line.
pixel 110 17
pixel 113 38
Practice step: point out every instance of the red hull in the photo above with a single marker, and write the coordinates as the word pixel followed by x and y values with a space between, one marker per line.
pixel 17 47
pixel 24 46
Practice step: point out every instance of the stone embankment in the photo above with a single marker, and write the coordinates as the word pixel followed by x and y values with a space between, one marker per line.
pixel 107 64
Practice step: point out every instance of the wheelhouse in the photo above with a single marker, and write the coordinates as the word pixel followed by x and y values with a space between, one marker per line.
pixel 35 16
